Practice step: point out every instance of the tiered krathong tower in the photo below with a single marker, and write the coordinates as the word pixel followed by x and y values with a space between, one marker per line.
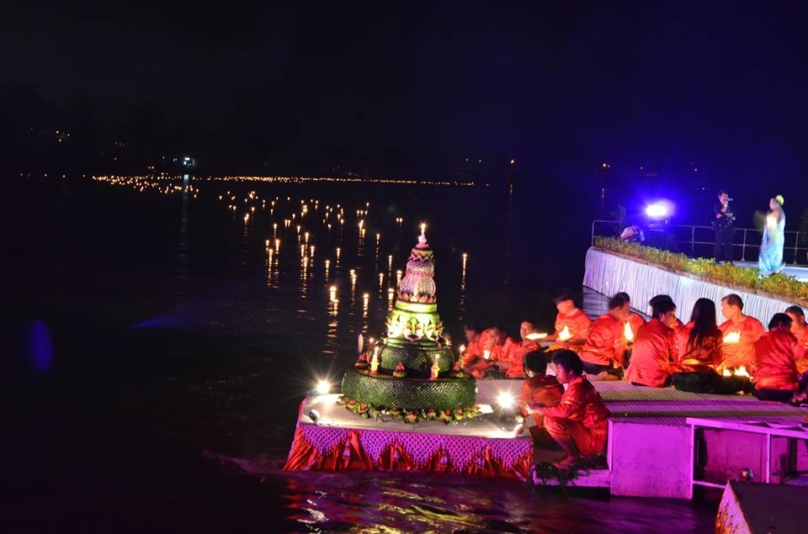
pixel 411 370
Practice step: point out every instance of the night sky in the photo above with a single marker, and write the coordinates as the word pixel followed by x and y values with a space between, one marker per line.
pixel 718 86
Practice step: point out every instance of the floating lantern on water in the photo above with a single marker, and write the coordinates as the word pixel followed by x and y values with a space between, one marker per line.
pixel 732 337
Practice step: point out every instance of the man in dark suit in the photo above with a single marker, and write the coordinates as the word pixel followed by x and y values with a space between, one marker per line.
pixel 724 226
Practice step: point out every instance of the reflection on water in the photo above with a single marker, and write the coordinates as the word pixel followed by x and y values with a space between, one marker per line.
pixel 415 502
pixel 279 298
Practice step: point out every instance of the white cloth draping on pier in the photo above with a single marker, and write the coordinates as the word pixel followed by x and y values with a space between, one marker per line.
pixel 608 274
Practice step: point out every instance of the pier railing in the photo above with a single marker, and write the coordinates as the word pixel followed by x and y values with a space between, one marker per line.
pixel 698 241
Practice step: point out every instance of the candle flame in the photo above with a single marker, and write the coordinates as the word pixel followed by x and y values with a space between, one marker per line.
pixel 462 349
pixel 726 373
pixel 628 333
pixel 741 371
pixel 536 335
pixel 564 335
pixel 732 337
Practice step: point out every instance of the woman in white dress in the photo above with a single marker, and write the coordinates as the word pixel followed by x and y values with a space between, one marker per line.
pixel 771 248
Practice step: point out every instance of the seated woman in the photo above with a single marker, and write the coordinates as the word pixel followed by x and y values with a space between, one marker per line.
pixel 538 390
pixel 654 347
pixel 579 424
pixel 775 368
pixel 699 345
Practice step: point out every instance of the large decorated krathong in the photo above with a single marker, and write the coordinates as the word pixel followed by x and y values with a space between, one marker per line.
pixel 411 372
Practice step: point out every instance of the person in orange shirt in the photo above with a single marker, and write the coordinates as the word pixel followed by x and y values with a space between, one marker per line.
pixel 516 367
pixel 741 351
pixel 775 369
pixel 538 390
pixel 605 345
pixel 579 424
pixel 499 351
pixel 571 324
pixel 635 320
pixel 800 331
pixel 699 344
pixel 654 348
pixel 474 362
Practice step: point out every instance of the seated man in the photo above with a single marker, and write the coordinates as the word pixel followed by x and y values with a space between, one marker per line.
pixel 516 367
pixel 571 324
pixel 498 351
pixel 605 346
pixel 580 422
pixel 635 320
pixel 474 362
pixel 654 348
pixel 740 333
pixel 775 369
pixel 800 331
pixel 538 390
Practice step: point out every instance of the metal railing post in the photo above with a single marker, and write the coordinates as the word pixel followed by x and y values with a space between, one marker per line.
pixel 743 249
pixel 796 245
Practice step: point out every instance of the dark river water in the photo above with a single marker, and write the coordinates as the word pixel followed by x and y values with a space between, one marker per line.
pixel 155 352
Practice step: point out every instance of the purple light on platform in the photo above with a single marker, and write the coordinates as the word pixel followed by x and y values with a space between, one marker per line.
pixel 40 346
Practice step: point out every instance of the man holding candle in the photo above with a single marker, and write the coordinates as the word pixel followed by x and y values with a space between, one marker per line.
pixel 740 333
pixel 538 390
pixel 571 324
pixel 655 347
pixel 473 360
pixel 605 346
pixel 580 422
pixel 516 366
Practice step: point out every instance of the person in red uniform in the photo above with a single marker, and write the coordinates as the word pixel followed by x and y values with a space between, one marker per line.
pixel 516 367
pixel 775 368
pixel 699 353
pixel 499 351
pixel 654 348
pixel 473 361
pixel 800 331
pixel 538 390
pixel 605 346
pixel 570 321
pixel 635 320
pixel 742 352
pixel 580 422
